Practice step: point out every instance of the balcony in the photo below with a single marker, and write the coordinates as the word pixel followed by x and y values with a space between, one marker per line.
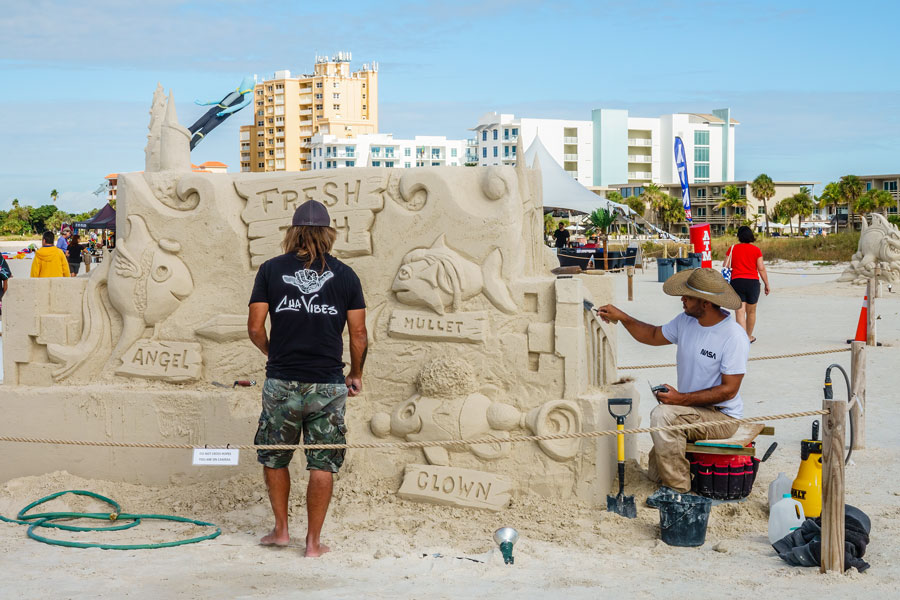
pixel 306 112
pixel 279 111
pixel 512 139
pixel 570 157
pixel 306 123
pixel 639 158
pixel 279 144
pixel 570 140
pixel 279 99
pixel 245 135
pixel 572 174
pixel 639 175
pixel 279 154
pixel 306 131
pixel 639 142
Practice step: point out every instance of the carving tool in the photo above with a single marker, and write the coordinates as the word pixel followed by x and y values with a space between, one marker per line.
pixel 238 382
pixel 621 504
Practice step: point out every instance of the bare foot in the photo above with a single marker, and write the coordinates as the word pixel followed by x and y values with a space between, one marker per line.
pixel 274 539
pixel 317 550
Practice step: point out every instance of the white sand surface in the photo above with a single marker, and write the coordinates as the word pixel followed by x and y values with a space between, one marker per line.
pixel 566 549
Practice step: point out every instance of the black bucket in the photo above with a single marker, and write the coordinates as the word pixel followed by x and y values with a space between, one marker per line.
pixel 683 519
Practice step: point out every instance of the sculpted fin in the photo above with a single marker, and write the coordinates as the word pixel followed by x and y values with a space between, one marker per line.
pixel 494 287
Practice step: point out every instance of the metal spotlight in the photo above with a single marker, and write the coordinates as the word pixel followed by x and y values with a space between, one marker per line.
pixel 506 537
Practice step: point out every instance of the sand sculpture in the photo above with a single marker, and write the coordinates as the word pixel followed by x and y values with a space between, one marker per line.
pixel 471 336
pixel 879 246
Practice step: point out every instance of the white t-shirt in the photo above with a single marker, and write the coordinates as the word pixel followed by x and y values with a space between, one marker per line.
pixel 706 353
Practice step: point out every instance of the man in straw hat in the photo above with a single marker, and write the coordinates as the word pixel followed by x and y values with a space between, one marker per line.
pixel 711 358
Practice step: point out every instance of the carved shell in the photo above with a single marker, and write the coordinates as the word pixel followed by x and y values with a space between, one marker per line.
pixel 554 417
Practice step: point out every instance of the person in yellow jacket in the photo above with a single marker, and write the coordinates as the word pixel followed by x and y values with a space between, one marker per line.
pixel 49 261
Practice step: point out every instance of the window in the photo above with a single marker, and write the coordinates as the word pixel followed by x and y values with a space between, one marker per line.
pixel 701 154
pixel 336 96
pixel 406 165
pixel 505 151
pixel 890 186
pixel 260 154
pixel 364 96
pixel 376 163
pixel 364 107
pixel 259 92
pixel 715 191
pixel 318 84
pixel 260 143
pixel 701 138
pixel 349 150
pixel 406 152
pixel 351 163
pixel 336 106
pixel 515 131
pixel 701 171
pixel 389 163
pixel 514 151
pixel 626 192
pixel 260 113
pixel 364 86
pixel 742 190
pixel 319 107
pixel 760 210
pixel 259 103
pixel 869 186
pixel 376 150
pixel 495 151
pixel 271 131
pixel 318 96
pixel 260 124
pixel 506 134
pixel 271 153
pixel 484 135
pixel 261 165
pixel 484 153
pixel 495 134
pixel 700 193
pixel 638 191
pixel 453 152
pixel 435 164
pixel 700 211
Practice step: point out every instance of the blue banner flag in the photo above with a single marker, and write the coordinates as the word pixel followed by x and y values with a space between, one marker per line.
pixel 681 165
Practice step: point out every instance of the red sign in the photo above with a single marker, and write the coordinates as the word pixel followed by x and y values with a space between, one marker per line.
pixel 701 239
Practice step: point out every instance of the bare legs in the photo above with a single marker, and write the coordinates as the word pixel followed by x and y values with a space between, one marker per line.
pixel 751 320
pixel 278 482
pixel 318 497
pixel 740 315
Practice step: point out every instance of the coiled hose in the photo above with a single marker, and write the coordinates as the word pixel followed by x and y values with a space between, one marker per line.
pixel 829 395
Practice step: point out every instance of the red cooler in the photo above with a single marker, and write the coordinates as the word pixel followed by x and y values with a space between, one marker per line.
pixel 701 240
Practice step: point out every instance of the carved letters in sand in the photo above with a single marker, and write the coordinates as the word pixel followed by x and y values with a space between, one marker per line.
pixel 170 361
pixel 455 487
pixel 456 327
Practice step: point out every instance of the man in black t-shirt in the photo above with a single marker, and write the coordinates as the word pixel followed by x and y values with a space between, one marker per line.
pixel 308 296
pixel 561 236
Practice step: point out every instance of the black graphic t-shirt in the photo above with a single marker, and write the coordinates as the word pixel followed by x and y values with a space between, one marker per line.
pixel 307 314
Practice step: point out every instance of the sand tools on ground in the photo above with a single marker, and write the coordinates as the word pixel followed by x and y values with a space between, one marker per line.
pixel 620 503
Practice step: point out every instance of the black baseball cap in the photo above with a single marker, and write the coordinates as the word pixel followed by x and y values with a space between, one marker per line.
pixel 311 213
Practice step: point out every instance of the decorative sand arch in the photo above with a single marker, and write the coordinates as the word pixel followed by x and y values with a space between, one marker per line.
pixel 470 335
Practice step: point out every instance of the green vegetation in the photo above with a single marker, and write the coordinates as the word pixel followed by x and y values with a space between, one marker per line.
pixel 763 188
pixel 833 248
pixel 22 222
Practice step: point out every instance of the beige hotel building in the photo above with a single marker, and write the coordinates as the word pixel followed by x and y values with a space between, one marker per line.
pixel 289 111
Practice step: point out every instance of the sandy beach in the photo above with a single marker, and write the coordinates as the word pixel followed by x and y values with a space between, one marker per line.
pixel 385 547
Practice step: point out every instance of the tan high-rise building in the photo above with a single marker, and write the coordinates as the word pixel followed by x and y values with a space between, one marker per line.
pixel 288 111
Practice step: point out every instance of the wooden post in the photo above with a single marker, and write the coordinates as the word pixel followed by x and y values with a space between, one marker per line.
pixel 833 486
pixel 871 288
pixel 858 390
pixel 629 271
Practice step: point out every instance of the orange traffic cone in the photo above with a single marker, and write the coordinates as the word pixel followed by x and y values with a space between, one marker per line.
pixel 862 326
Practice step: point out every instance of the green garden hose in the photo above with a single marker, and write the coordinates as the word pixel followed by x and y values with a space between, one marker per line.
pixel 37 520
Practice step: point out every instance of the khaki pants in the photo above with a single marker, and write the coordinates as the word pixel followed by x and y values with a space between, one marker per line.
pixel 668 464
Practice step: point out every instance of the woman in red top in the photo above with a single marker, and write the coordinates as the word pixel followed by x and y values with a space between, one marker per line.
pixel 746 269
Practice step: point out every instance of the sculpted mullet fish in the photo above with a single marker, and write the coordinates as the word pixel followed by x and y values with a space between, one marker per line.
pixel 439 276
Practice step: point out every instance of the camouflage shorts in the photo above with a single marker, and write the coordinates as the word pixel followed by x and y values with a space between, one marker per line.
pixel 292 407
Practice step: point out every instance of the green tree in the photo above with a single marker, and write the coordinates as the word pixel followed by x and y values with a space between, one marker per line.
pixel 784 211
pixel 600 221
pixel 549 224
pixel 54 195
pixel 56 220
pixel 654 197
pixel 39 217
pixel 851 189
pixel 831 197
pixel 731 197
pixel 803 205
pixel 670 210
pixel 763 188
pixel 875 200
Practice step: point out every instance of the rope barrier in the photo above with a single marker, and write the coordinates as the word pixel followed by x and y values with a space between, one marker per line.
pixel 772 357
pixel 421 443
pixel 801 273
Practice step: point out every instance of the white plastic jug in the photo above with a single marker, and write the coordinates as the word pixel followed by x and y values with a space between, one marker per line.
pixel 786 516
pixel 778 488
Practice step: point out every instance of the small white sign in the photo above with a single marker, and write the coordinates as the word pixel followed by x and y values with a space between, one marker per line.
pixel 222 457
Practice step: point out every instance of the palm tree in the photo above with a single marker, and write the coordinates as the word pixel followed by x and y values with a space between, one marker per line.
pixel 655 197
pixel 763 188
pixel 803 205
pixel 549 224
pixel 670 210
pixel 851 189
pixel 731 196
pixel 874 200
pixel 600 221
pixel 54 195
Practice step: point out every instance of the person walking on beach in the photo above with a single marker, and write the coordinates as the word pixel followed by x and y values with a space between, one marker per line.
pixel 308 296
pixel 49 260
pixel 711 363
pixel 75 250
pixel 63 242
pixel 747 268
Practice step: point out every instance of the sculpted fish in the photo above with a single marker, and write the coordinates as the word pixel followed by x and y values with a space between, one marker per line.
pixel 439 276
pixel 146 282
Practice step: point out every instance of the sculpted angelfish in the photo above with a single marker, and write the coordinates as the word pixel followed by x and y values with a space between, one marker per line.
pixel 439 276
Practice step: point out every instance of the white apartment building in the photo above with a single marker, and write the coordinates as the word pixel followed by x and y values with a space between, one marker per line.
pixel 570 143
pixel 639 150
pixel 382 150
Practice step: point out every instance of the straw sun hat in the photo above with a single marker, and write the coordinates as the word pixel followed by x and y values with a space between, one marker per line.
pixel 705 284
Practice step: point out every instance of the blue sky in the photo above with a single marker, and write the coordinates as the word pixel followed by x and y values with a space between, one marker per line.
pixel 814 84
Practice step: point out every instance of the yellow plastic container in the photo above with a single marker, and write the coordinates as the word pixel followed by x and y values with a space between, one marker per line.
pixel 807 487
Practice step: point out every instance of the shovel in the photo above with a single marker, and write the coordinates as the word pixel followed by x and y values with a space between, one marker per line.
pixel 621 504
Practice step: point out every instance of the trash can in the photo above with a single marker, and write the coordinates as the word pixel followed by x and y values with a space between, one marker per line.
pixel 696 259
pixel 665 268
pixel 683 264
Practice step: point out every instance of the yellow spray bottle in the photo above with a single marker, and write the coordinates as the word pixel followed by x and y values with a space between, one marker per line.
pixel 807 487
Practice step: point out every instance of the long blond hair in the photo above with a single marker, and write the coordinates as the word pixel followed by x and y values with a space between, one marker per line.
pixel 309 243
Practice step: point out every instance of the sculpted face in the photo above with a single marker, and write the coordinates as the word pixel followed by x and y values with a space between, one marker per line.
pixel 416 284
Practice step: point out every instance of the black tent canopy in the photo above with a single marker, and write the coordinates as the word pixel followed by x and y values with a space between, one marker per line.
pixel 105 219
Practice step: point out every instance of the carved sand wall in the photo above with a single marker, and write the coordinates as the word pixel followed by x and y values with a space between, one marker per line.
pixel 471 336
pixel 879 247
